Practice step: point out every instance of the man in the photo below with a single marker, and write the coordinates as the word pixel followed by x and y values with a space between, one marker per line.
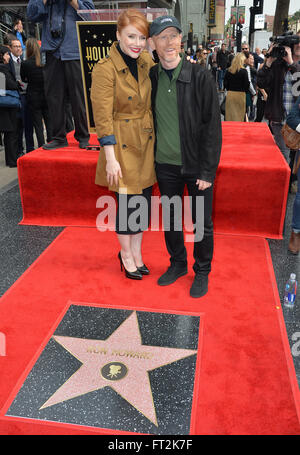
pixel 24 119
pixel 62 69
pixel 278 76
pixel 222 62
pixel 188 145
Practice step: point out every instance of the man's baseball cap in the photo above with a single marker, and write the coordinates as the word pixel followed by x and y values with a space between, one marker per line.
pixel 161 23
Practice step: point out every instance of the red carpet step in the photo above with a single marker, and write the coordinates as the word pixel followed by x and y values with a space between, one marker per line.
pixel 251 187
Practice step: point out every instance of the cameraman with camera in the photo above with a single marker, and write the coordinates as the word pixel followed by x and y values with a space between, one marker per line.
pixel 277 77
pixel 62 72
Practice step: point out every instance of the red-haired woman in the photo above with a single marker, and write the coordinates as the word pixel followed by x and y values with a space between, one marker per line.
pixel 121 100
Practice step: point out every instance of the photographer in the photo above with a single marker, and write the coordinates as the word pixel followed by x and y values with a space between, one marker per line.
pixel 278 76
pixel 62 67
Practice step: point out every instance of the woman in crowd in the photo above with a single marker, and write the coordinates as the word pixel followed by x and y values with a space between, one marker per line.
pixel 262 97
pixel 212 60
pixel 236 83
pixel 293 121
pixel 32 73
pixel 121 101
pixel 8 116
pixel 252 76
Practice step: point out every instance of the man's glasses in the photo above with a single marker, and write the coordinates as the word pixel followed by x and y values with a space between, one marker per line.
pixel 244 48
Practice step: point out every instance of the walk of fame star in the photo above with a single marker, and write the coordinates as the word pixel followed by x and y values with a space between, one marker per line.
pixel 121 362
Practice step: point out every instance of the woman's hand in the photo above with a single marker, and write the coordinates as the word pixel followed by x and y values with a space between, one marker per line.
pixel 113 168
pixel 113 171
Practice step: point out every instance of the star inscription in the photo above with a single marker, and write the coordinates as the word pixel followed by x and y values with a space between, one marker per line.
pixel 121 362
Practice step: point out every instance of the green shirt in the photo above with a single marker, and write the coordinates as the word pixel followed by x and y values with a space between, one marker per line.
pixel 167 122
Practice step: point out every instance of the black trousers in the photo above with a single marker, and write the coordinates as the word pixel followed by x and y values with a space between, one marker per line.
pixel 171 183
pixel 260 109
pixel 10 139
pixel 11 147
pixel 25 126
pixel 39 112
pixel 61 76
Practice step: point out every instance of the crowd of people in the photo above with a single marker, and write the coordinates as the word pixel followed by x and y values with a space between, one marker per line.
pixel 137 98
pixel 48 78
pixel 20 62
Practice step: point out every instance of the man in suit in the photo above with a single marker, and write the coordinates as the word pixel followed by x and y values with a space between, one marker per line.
pixel 25 126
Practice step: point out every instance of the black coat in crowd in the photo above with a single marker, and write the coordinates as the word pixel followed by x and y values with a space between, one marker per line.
pixel 8 116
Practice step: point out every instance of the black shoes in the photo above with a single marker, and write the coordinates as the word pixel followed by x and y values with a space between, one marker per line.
pixel 200 286
pixel 55 144
pixel 144 270
pixel 84 144
pixel 171 275
pixel 136 275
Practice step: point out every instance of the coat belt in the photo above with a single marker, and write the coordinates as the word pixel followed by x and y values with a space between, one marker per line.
pixel 146 116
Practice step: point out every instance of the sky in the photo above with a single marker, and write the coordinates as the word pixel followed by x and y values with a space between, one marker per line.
pixel 269 8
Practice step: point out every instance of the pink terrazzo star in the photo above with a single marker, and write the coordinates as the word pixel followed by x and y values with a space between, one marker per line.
pixel 120 362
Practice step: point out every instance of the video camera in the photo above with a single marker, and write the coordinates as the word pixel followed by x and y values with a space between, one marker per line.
pixel 287 39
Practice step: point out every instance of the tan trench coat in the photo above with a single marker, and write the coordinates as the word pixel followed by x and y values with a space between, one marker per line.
pixel 122 107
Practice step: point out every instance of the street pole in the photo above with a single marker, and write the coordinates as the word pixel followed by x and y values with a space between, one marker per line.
pixel 239 30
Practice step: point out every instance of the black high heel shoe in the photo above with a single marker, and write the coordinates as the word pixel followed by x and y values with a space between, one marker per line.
pixel 144 270
pixel 136 275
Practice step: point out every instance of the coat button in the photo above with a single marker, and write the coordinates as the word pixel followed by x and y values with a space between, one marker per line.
pixel 130 97
pixel 124 71
pixel 124 146
pixel 150 137
pixel 127 120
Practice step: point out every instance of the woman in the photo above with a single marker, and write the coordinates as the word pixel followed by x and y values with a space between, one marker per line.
pixel 236 83
pixel 293 121
pixel 252 76
pixel 212 60
pixel 32 73
pixel 121 101
pixel 8 116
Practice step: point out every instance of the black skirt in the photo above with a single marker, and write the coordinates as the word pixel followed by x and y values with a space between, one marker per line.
pixel 133 212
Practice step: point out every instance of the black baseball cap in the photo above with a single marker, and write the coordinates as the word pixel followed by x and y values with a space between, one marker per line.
pixel 161 23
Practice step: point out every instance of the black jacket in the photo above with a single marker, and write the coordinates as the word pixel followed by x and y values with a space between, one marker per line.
pixel 272 80
pixel 237 82
pixel 200 127
pixel 222 59
pixel 33 75
pixel 8 116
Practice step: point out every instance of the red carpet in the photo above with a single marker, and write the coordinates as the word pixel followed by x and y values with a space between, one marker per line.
pixel 245 379
pixel 57 187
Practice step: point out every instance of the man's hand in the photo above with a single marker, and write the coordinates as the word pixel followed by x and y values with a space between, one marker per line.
pixel 202 184
pixel 288 58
